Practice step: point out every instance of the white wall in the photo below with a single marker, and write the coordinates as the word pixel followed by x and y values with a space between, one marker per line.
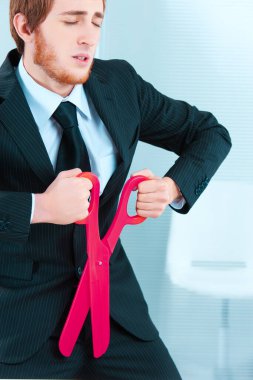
pixel 6 42
pixel 201 52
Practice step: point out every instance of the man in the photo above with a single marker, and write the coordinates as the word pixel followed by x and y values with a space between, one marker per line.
pixel 42 250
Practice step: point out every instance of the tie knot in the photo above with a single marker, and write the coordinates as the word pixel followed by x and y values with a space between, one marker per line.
pixel 65 115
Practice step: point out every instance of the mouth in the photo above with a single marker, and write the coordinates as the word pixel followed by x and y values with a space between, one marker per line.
pixel 82 58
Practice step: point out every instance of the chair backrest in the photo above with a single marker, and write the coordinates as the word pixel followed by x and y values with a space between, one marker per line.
pixel 210 250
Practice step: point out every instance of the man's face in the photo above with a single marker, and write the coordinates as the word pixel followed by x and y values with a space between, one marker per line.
pixel 65 43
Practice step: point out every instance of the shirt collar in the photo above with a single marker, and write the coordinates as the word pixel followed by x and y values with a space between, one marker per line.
pixel 44 102
pixel 79 99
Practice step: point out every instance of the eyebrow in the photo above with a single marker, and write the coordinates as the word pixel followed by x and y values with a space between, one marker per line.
pixel 81 13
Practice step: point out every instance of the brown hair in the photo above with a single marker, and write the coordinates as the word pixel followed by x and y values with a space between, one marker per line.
pixel 36 12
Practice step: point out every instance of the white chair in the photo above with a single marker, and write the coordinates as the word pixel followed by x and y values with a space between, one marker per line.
pixel 210 250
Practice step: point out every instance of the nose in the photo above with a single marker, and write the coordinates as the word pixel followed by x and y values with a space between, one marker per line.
pixel 88 36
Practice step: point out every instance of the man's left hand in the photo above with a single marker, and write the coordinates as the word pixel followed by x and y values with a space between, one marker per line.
pixel 155 194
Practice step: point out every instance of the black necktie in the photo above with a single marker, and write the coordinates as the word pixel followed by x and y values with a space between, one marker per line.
pixel 72 154
pixel 72 151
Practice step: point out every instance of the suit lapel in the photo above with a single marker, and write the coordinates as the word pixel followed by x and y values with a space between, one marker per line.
pixel 105 102
pixel 17 118
pixel 104 99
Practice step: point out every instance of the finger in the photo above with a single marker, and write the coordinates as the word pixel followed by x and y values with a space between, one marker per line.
pixel 145 172
pixel 147 197
pixel 150 206
pixel 87 181
pixel 152 186
pixel 148 213
pixel 153 197
pixel 70 173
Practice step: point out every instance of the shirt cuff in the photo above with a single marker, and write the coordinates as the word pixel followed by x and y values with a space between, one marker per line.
pixel 178 203
pixel 33 206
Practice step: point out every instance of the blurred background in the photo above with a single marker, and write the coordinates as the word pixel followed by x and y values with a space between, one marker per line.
pixel 196 270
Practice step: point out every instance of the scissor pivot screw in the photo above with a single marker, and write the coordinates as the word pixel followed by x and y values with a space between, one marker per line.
pixel 100 263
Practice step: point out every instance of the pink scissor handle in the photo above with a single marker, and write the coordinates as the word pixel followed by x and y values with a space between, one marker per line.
pixel 93 208
pixel 91 221
pixel 122 217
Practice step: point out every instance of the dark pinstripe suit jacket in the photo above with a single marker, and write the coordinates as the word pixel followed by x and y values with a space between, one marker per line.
pixel 38 262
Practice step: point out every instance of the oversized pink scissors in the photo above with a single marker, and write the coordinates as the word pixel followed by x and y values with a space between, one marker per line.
pixel 93 289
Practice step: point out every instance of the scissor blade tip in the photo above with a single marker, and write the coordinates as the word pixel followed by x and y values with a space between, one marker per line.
pixel 65 352
pixel 98 353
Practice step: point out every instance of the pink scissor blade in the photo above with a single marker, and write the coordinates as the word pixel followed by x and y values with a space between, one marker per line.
pixel 76 316
pixel 97 290
pixel 99 296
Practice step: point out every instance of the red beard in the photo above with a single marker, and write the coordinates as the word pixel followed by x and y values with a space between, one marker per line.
pixel 45 57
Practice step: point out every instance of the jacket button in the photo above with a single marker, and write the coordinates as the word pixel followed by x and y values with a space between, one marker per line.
pixel 79 271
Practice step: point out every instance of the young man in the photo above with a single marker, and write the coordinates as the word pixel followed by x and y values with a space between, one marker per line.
pixel 42 250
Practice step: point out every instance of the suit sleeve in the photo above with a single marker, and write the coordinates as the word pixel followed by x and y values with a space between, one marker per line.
pixel 200 142
pixel 15 216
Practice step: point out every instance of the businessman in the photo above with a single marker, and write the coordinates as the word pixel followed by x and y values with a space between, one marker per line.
pixel 63 112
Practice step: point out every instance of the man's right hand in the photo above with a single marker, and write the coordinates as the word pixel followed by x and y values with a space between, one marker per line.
pixel 65 201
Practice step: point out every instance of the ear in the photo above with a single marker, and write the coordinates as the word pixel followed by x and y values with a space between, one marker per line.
pixel 22 28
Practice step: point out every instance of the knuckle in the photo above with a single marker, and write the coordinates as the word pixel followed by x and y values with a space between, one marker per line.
pixel 148 172
pixel 60 175
pixel 141 206
pixel 83 187
pixel 140 212
pixel 140 197
pixel 84 214
pixel 164 198
pixel 141 187
pixel 88 183
pixel 75 181
pixel 162 186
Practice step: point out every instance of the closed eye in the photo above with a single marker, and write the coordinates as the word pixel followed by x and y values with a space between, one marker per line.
pixel 70 22
pixel 98 25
